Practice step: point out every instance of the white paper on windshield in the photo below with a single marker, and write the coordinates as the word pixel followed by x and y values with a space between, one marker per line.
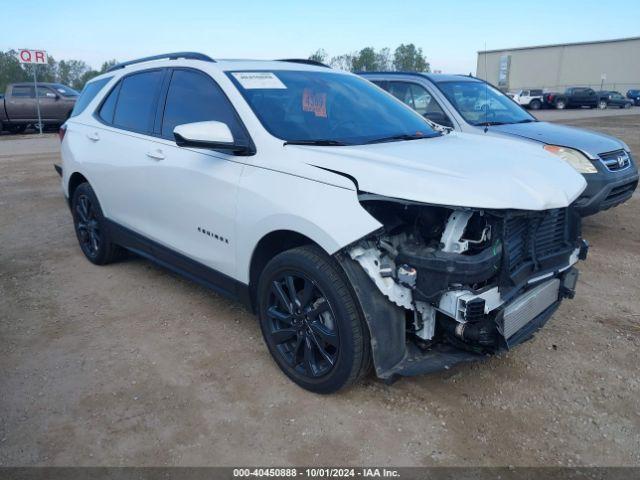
pixel 258 80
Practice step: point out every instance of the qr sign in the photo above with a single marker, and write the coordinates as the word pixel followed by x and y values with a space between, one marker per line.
pixel 32 56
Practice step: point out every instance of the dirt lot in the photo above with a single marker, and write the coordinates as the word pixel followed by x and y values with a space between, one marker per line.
pixel 130 365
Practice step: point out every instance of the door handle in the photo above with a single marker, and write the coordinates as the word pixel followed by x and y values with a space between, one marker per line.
pixel 93 136
pixel 156 154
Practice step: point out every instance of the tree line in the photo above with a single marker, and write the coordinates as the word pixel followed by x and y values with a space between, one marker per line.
pixel 406 58
pixel 74 73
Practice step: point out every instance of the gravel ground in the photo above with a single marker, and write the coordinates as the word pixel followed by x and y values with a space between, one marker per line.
pixel 130 365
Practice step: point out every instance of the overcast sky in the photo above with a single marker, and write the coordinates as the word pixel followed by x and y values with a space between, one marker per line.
pixel 449 32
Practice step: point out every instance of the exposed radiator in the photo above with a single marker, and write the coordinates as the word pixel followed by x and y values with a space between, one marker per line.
pixel 527 307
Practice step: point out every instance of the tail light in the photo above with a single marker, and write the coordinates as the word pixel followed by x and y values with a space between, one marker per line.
pixel 62 132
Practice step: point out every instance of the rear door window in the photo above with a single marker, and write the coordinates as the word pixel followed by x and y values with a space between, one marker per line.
pixel 195 97
pixel 137 101
pixel 23 92
pixel 88 93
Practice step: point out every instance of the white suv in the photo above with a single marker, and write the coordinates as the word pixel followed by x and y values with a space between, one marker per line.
pixel 358 233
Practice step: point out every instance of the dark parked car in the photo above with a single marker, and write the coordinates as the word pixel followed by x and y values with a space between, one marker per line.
pixel 18 108
pixel 613 99
pixel 573 97
pixel 470 105
pixel 634 95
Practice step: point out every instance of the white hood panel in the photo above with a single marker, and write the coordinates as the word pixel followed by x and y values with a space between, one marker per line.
pixel 457 170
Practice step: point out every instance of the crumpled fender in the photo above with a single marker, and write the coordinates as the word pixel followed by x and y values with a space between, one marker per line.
pixel 392 355
pixel 385 320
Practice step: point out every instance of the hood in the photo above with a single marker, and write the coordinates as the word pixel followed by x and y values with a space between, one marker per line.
pixel 456 169
pixel 591 143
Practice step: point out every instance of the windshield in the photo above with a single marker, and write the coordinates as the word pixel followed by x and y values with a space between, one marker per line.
pixel 64 90
pixel 482 104
pixel 328 108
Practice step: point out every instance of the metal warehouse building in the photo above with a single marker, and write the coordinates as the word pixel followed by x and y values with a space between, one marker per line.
pixel 612 64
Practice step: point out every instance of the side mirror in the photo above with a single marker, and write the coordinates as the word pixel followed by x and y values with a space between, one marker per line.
pixel 51 95
pixel 211 134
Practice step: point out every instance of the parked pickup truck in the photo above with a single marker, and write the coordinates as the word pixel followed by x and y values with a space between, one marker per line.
pixel 18 108
pixel 573 97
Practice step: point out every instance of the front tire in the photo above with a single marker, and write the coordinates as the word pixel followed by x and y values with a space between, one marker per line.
pixel 91 227
pixel 602 105
pixel 561 105
pixel 311 322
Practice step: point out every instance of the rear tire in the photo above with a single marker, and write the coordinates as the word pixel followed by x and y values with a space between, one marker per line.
pixel 602 105
pixel 16 129
pixel 91 227
pixel 535 105
pixel 561 105
pixel 311 322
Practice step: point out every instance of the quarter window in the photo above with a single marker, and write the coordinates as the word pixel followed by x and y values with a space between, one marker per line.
pixel 136 104
pixel 194 97
pixel 108 107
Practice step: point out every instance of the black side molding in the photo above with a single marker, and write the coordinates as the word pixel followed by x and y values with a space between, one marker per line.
pixel 180 264
pixel 58 169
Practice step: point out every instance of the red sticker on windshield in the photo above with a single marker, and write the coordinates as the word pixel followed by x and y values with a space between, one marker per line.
pixel 314 102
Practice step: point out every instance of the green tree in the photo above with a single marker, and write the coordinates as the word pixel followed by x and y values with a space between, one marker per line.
pixel 319 56
pixel 383 60
pixel 11 70
pixel 72 73
pixel 409 58
pixel 365 61
pixel 107 65
pixel 343 62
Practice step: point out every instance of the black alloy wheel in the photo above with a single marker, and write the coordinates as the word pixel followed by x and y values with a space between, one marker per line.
pixel 87 226
pixel 91 228
pixel 302 325
pixel 311 320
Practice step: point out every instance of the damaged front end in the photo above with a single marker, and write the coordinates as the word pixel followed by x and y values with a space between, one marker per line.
pixel 456 284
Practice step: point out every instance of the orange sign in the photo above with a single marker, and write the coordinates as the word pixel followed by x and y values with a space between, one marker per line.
pixel 314 102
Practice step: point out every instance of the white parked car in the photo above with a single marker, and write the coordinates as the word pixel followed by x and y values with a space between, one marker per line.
pixel 359 234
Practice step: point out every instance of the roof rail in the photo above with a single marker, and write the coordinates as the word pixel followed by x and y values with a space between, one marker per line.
pixel 305 61
pixel 170 56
